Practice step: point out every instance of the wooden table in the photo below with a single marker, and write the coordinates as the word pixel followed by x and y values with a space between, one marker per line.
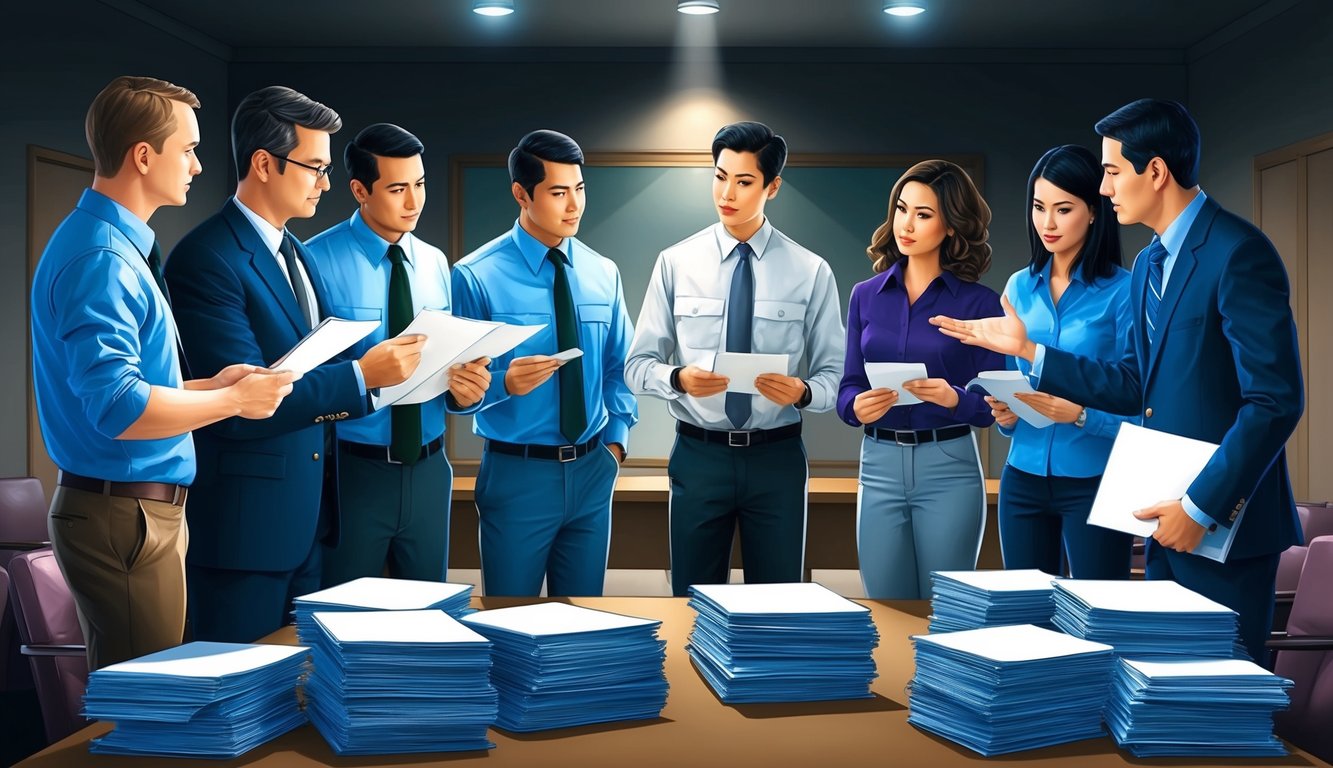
pixel 695 729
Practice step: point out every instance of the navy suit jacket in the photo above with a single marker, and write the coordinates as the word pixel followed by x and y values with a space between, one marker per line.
pixel 255 502
pixel 1225 368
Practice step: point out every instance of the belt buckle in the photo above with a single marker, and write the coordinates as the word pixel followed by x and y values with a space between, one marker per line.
pixel 388 455
pixel 566 453
pixel 897 437
pixel 733 442
pixel 179 495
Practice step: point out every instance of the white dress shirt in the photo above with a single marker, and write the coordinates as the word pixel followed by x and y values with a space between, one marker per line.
pixel 272 237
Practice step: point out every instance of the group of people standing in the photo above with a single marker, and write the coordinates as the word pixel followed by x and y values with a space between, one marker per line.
pixel 153 384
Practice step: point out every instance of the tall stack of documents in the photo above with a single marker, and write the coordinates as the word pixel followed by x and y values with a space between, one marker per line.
pixel 1005 689
pixel 1146 619
pixel 1196 708
pixel 376 594
pixel 559 665
pixel 973 599
pixel 399 681
pixel 781 642
pixel 214 700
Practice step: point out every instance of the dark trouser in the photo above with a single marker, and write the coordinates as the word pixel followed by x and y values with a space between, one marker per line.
pixel 714 488
pixel 124 560
pixel 1039 513
pixel 392 514
pixel 233 606
pixel 1244 585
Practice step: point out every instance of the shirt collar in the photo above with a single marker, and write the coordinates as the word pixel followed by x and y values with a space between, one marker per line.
pixel 134 228
pixel 1173 239
pixel 374 247
pixel 893 276
pixel 534 251
pixel 271 235
pixel 758 241
pixel 1075 276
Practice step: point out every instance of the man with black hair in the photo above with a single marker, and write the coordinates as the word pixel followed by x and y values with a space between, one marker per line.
pixel 394 480
pixel 245 289
pixel 739 286
pixel 552 451
pixel 1213 356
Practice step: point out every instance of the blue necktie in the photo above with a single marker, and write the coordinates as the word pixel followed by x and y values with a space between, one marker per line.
pixel 740 321
pixel 1156 254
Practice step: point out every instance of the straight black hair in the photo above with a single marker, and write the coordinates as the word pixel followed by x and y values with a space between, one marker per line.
pixel 1077 171
pixel 769 148
pixel 525 160
pixel 1151 128
pixel 267 119
pixel 378 140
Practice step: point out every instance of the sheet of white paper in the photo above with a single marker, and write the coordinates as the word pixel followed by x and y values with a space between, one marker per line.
pixel 1015 642
pixel 329 339
pixel 568 354
pixel 892 376
pixel 500 340
pixel 1200 668
pixel 1002 385
pixel 396 627
pixel 446 336
pixel 744 367
pixel 1156 596
pixel 1145 467
pixel 205 659
pixel 387 594
pixel 807 597
pixel 1023 580
pixel 541 619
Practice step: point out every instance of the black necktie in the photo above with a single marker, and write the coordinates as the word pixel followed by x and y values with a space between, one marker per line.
pixel 155 266
pixel 405 443
pixel 298 283
pixel 740 321
pixel 573 414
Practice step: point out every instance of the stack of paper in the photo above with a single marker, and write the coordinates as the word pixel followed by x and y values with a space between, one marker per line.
pixel 559 665
pixel 1006 689
pixel 1196 708
pixel 399 681
pixel 781 642
pixel 974 599
pixel 1146 619
pixel 215 700
pixel 376 594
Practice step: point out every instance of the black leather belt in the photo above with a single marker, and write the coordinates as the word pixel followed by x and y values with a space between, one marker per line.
pixel 561 453
pixel 381 452
pixel 918 436
pixel 171 494
pixel 739 438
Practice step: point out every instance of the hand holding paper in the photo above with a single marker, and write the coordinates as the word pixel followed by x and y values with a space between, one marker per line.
pixel 893 375
pixel 742 368
pixel 1005 386
pixel 700 383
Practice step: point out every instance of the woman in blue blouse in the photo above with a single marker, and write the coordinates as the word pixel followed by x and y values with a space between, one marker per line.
pixel 1073 295
pixel 921 505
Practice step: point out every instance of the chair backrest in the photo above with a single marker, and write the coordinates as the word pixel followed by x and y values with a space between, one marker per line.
pixel 1306 722
pixel 22 518
pixel 1289 566
pixel 44 609
pixel 1316 519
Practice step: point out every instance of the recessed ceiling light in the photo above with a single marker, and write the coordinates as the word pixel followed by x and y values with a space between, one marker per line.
pixel 903 9
pixel 493 7
pixel 697 7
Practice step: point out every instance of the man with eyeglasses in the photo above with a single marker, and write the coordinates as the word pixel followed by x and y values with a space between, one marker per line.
pixel 246 290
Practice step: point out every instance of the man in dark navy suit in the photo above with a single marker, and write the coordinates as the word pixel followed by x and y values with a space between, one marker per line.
pixel 246 290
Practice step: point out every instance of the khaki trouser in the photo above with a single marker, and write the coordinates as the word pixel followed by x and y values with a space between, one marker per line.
pixel 124 560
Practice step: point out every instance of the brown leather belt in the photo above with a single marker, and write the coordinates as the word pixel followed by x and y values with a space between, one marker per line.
pixel 171 494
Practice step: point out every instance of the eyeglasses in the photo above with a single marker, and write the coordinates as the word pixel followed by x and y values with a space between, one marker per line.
pixel 320 172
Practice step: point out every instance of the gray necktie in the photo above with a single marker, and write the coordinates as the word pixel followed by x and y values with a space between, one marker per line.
pixel 740 322
pixel 288 252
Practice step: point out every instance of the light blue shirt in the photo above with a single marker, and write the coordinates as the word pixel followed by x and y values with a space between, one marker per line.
pixel 102 337
pixel 354 262
pixel 510 280
pixel 1093 320
pixel 684 317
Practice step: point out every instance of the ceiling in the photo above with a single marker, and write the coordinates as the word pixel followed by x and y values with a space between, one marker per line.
pixel 1177 25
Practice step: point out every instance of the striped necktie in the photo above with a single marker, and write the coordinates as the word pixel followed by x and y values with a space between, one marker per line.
pixel 1156 254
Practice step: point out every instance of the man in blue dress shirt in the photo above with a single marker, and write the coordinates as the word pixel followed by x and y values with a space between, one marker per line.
pixel 552 451
pixel 739 286
pixel 114 409
pixel 394 480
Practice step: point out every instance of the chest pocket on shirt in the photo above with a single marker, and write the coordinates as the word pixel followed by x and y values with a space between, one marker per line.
pixel 594 325
pixel 779 327
pixel 698 322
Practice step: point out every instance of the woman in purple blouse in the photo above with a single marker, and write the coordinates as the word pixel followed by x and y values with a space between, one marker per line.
pixel 922 500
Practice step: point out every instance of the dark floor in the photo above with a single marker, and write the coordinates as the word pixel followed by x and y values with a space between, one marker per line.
pixel 21 732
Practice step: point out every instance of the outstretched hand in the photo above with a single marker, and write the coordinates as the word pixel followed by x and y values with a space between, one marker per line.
pixel 1006 334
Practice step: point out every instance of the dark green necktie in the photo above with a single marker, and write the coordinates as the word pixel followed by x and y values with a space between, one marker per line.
pixel 155 266
pixel 405 445
pixel 573 414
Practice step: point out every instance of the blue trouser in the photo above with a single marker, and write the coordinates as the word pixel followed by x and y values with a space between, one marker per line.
pixel 542 518
pixel 919 509
pixel 233 606
pixel 1038 513
pixel 715 488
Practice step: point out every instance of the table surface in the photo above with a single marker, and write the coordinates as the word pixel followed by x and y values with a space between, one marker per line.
pixel 695 729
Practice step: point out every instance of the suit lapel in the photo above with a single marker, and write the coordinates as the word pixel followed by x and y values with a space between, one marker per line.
pixel 316 282
pixel 266 265
pixel 1186 261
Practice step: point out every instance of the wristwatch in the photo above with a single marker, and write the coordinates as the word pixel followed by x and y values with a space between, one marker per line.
pixel 1082 418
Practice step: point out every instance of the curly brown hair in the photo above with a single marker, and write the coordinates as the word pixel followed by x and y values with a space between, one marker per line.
pixel 965 253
